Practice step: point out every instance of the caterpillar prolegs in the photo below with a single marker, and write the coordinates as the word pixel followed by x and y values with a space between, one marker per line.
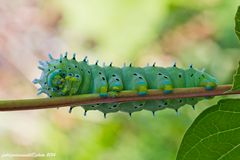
pixel 63 76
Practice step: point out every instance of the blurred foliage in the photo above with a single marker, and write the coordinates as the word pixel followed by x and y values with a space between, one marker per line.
pixel 237 23
pixel 188 32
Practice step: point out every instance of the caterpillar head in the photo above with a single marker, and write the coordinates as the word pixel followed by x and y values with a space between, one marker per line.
pixel 59 77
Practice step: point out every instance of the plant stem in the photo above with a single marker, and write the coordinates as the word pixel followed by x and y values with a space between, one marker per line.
pixel 124 96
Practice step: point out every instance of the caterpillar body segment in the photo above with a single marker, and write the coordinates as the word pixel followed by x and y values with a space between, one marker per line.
pixel 98 80
pixel 157 79
pixel 63 77
pixel 134 79
pixel 114 77
pixel 131 107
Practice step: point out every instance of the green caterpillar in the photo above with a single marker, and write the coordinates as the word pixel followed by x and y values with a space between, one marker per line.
pixel 63 76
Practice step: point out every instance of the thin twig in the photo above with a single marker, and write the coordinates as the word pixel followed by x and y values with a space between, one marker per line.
pixel 124 96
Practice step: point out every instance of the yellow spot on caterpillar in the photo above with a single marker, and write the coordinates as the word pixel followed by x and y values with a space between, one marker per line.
pixel 142 88
pixel 211 84
pixel 103 89
pixel 115 88
pixel 168 87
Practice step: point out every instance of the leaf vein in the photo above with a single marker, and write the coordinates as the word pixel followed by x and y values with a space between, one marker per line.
pixel 229 130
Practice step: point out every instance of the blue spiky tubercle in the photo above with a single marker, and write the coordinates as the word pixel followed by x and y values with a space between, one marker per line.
pixel 64 77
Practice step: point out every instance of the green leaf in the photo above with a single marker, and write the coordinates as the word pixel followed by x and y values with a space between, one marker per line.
pixel 215 134
pixel 236 79
pixel 237 23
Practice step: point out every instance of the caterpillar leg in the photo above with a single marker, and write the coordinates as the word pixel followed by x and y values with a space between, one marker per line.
pixel 108 108
pixel 193 101
pixel 139 84
pixel 134 79
pixel 71 108
pixel 100 84
pixel 210 86
pixel 115 85
pixel 103 91
pixel 157 79
pixel 167 87
pixel 209 83
pixel 176 103
pixel 141 88
pixel 131 107
pixel 164 83
pixel 90 107
pixel 114 77
pixel 154 105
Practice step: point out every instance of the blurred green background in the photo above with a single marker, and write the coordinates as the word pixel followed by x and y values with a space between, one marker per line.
pixel 139 31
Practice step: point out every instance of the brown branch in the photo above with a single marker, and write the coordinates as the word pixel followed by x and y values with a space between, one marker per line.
pixel 124 96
